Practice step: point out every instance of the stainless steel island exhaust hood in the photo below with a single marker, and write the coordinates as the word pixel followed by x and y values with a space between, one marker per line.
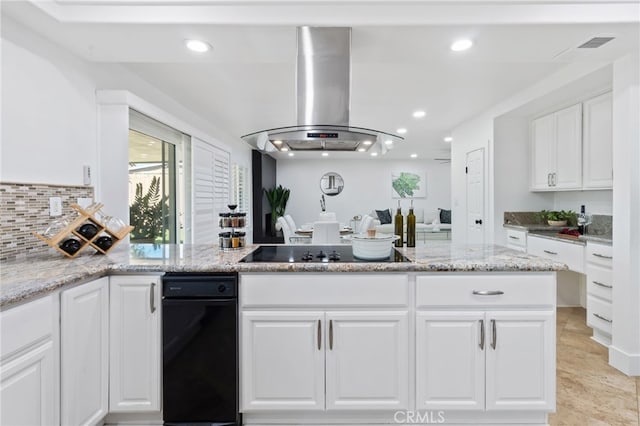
pixel 323 100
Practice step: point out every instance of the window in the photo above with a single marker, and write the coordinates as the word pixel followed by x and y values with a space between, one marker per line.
pixel 240 187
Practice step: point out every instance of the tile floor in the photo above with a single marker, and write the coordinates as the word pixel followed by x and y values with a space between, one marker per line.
pixel 589 390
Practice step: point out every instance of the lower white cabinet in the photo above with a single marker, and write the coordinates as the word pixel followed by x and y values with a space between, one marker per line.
pixel 600 291
pixel 341 360
pixel 29 367
pixel 84 312
pixel 494 360
pixel 135 344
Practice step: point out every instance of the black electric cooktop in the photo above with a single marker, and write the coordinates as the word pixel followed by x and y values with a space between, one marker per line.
pixel 313 254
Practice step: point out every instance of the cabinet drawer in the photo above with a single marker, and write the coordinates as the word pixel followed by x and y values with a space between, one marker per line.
pixel 600 254
pixel 516 238
pixel 26 324
pixel 529 289
pixel 599 281
pixel 308 289
pixel 560 251
pixel 599 314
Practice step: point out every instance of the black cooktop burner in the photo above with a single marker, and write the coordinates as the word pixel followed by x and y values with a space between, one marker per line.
pixel 313 254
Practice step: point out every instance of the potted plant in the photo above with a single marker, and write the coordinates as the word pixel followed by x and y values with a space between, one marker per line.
pixel 559 218
pixel 277 198
pixel 146 213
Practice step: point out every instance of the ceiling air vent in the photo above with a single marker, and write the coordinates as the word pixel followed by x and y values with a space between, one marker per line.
pixel 595 42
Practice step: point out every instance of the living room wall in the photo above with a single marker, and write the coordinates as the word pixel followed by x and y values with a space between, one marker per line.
pixel 367 186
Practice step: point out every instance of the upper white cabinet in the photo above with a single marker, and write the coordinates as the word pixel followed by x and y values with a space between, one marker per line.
pixel 135 344
pixel 597 143
pixel 84 312
pixel 29 368
pixel 571 149
pixel 556 150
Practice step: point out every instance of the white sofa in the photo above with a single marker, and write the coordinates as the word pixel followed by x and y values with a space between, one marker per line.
pixel 427 224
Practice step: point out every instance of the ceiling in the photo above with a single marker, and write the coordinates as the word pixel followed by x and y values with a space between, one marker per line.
pixel 247 82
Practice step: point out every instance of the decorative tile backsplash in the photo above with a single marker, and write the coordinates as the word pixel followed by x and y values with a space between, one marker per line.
pixel 24 208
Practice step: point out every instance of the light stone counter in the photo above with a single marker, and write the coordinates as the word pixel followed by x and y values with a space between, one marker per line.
pixel 27 279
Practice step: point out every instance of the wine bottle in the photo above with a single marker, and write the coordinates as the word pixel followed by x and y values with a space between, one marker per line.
pixel 398 227
pixel 411 227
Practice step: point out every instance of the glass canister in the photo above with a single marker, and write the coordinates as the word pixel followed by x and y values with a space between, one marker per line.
pixel 242 239
pixel 242 220
pixel 225 240
pixel 235 240
pixel 234 220
pixel 225 220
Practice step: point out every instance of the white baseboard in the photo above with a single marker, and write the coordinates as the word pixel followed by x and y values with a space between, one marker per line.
pixel 629 364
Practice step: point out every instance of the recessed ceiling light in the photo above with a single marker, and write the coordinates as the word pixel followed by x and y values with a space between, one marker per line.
pixel 462 44
pixel 284 149
pixel 325 154
pixel 361 150
pixel 401 131
pixel 388 142
pixel 414 155
pixel 366 143
pixel 419 114
pixel 277 142
pixel 291 154
pixel 197 45
pixel 374 154
pixel 448 139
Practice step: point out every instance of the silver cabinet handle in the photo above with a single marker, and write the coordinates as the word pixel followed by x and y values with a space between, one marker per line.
pixel 152 298
pixel 550 252
pixel 553 179
pixel 488 292
pixel 319 334
pixel 602 284
pixel 330 334
pixel 602 318
pixel 494 334
pixel 602 256
pixel 514 238
pixel 481 334
pixel 548 179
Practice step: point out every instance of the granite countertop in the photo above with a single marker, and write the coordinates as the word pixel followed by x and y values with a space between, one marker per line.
pixel 551 231
pixel 22 280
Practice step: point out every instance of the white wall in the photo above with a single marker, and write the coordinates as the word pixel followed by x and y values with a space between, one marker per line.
pixel 367 186
pixel 599 202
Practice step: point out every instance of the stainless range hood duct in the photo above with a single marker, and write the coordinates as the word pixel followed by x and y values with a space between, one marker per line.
pixel 323 95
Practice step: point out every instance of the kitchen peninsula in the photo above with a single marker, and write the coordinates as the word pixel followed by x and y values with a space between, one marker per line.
pixel 467 332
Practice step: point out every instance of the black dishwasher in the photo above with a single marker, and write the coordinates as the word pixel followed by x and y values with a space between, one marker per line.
pixel 200 349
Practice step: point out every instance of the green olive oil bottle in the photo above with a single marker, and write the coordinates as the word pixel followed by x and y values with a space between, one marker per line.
pixel 398 227
pixel 411 227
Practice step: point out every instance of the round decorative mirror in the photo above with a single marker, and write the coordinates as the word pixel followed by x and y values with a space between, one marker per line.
pixel 331 184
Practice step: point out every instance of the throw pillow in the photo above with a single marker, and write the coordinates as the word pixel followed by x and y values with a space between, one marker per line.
pixel 445 216
pixel 384 216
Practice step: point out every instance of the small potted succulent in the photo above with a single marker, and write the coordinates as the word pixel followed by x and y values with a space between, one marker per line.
pixel 559 218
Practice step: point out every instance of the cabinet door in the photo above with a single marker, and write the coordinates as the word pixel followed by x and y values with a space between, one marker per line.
pixel 450 360
pixel 520 360
pixel 367 360
pixel 542 152
pixel 85 353
pixel 597 143
pixel 27 388
pixel 282 364
pixel 568 154
pixel 134 344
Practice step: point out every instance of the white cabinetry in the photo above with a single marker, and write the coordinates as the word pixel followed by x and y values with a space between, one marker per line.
pixel 597 143
pixel 556 150
pixel 561 251
pixel 483 355
pixel 135 344
pixel 312 342
pixel 599 291
pixel 85 353
pixel 517 240
pixel 29 369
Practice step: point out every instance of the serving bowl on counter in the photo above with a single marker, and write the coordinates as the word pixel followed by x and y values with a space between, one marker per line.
pixel 372 247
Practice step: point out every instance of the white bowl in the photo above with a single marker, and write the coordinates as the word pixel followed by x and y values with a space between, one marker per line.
pixel 372 248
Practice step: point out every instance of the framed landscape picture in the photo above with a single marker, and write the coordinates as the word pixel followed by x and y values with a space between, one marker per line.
pixel 409 185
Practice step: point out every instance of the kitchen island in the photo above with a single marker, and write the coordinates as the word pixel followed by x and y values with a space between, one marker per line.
pixel 457 334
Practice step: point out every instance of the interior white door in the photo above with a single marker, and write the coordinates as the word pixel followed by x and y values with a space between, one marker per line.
pixel 282 364
pixel 85 353
pixel 475 196
pixel 367 360
pixel 542 152
pixel 520 360
pixel 450 359
pixel 135 344
pixel 568 174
